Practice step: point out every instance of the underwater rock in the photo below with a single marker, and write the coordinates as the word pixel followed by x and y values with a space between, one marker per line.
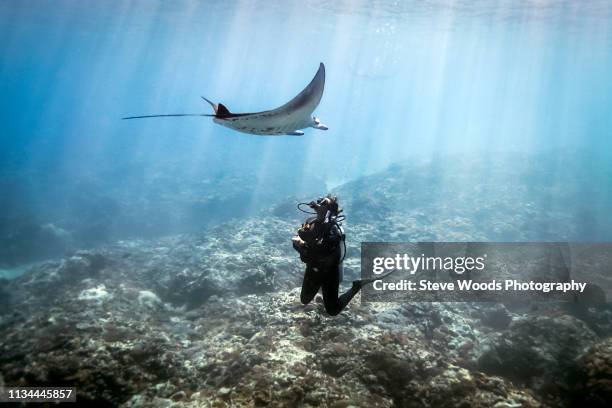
pixel 97 294
pixel 591 378
pixel 538 351
pixel 191 293
pixel 496 316
pixel 83 264
pixel 258 282
pixel 5 294
pixel 149 299
pixel 437 384
pixel 25 241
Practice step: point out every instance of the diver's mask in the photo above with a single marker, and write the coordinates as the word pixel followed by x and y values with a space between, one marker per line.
pixel 325 207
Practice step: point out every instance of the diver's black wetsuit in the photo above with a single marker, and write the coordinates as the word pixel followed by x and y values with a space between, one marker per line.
pixel 322 249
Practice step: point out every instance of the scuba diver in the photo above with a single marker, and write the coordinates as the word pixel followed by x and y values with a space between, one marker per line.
pixel 321 244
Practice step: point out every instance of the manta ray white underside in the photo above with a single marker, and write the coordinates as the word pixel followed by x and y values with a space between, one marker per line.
pixel 288 119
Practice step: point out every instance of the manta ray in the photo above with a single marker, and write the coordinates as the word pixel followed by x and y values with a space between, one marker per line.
pixel 285 120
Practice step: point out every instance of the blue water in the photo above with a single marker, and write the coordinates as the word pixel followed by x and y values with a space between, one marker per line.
pixel 406 81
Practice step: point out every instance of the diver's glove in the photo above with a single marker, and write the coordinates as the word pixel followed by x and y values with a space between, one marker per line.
pixel 308 234
pixel 300 246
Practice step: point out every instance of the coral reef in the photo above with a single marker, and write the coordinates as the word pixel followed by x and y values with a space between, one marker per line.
pixel 213 318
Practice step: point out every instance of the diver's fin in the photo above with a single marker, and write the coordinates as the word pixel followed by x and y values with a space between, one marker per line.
pixel 362 282
pixel 170 115
pixel 295 133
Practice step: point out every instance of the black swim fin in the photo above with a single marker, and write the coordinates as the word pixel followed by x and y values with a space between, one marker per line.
pixel 362 282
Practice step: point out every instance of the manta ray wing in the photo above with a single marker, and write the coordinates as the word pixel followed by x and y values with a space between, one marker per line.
pixel 287 119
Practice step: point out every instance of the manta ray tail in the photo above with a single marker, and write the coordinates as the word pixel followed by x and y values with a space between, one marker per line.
pixel 220 110
pixel 169 115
